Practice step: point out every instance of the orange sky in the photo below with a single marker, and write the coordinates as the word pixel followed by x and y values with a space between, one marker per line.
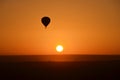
pixel 81 26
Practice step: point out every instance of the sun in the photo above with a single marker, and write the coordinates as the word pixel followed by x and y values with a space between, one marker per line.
pixel 59 48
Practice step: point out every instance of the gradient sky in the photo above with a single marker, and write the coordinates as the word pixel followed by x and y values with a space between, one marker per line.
pixel 81 26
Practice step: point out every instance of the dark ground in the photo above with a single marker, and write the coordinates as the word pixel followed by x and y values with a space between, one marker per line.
pixel 94 68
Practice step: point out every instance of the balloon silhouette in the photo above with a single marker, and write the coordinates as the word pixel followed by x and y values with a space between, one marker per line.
pixel 45 20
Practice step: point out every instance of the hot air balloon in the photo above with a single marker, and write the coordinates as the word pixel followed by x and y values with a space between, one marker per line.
pixel 45 20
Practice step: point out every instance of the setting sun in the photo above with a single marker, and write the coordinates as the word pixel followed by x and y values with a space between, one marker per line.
pixel 59 48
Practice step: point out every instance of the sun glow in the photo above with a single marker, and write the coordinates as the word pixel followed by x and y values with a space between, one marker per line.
pixel 59 48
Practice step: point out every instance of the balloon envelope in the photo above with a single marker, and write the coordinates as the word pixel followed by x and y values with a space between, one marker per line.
pixel 45 21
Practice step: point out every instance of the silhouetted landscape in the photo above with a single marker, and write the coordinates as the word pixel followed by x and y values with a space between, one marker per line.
pixel 60 67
